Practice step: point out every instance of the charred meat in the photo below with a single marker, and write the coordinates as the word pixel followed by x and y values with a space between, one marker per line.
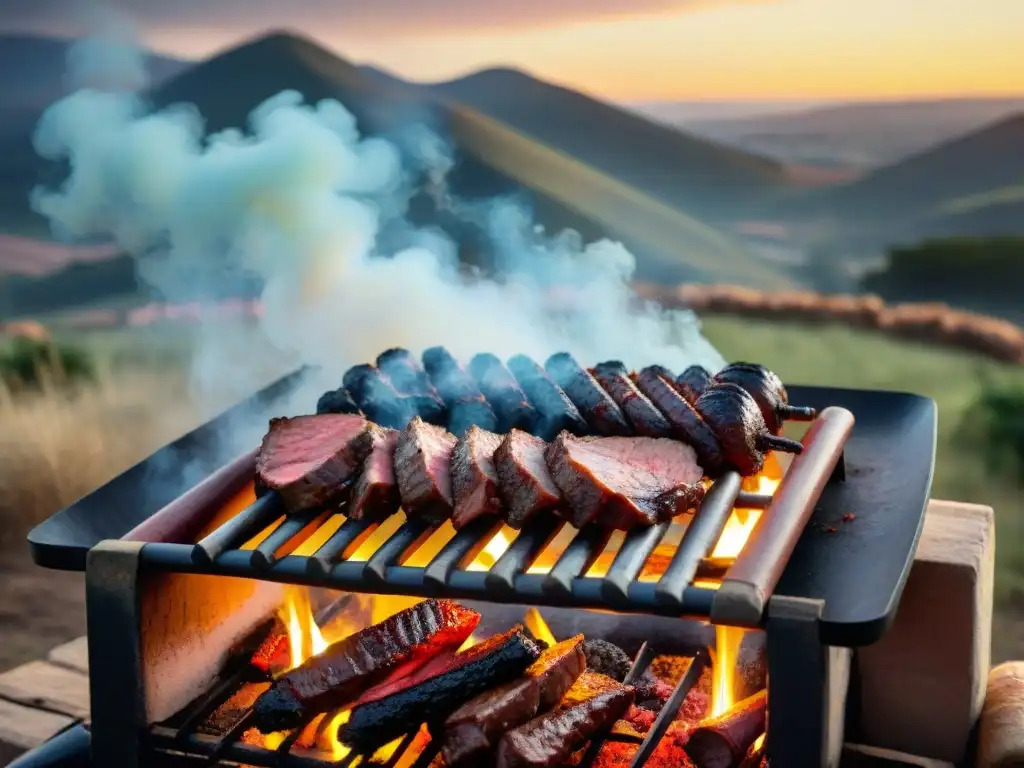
pixel 692 382
pixel 469 412
pixel 606 658
pixel 524 480
pixel 409 379
pixel 687 425
pixel 768 392
pixel 423 470
pixel 590 708
pixel 310 460
pixel 376 397
pixel 737 422
pixel 623 482
pixel 334 678
pixel 466 404
pixel 646 420
pixel 511 405
pixel 378 718
pixel 474 476
pixel 471 733
pixel 556 411
pixel 337 401
pixel 375 494
pixel 602 413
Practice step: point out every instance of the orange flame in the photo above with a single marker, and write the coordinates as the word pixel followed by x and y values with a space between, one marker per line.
pixel 538 627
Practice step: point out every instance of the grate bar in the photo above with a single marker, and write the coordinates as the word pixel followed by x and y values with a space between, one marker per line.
pixel 699 539
pixel 521 553
pixel 321 562
pixel 436 574
pixel 264 555
pixel 239 529
pixel 629 561
pixel 391 551
pixel 670 710
pixel 578 557
pixel 747 500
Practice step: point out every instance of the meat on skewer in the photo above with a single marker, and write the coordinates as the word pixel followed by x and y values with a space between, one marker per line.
pixel 377 397
pixel 736 420
pixel 337 401
pixel 409 379
pixel 557 411
pixel 768 392
pixel 692 382
pixel 601 412
pixel 466 404
pixel 647 421
pixel 502 391
pixel 687 424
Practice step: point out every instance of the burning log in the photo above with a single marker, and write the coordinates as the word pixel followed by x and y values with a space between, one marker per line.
pixel 755 756
pixel 723 741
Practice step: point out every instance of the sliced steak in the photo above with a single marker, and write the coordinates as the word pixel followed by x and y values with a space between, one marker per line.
pixel 524 481
pixel 376 397
pixel 409 379
pixel 375 494
pixel 335 678
pixel 423 470
pixel 590 708
pixel 602 413
pixel 622 482
pixel 511 405
pixel 472 732
pixel 555 410
pixel 474 476
pixel 381 716
pixel 337 401
pixel 310 460
pixel 687 425
pixel 645 419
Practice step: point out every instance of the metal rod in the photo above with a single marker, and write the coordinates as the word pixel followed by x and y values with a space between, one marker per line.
pixel 746 588
pixel 629 561
pixel 455 551
pixel 746 500
pixel 699 539
pixel 321 561
pixel 522 552
pixel 390 552
pixel 670 710
pixel 239 529
pixel 578 557
pixel 265 553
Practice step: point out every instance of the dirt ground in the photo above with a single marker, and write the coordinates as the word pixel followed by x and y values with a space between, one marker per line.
pixel 39 608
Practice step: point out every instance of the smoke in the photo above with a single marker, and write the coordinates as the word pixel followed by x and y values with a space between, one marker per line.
pixel 299 199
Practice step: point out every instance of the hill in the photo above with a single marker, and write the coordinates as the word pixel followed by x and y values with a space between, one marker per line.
pixel 492 159
pixel 705 178
pixel 866 134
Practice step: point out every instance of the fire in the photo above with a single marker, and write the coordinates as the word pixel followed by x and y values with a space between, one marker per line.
pixel 538 627
pixel 724 657
pixel 305 639
pixel 494 549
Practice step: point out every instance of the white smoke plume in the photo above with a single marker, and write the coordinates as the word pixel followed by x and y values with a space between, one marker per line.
pixel 299 198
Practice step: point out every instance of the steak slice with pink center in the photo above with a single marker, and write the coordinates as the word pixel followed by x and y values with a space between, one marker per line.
pixel 423 457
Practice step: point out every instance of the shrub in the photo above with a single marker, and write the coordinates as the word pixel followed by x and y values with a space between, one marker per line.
pixel 27 363
pixel 995 425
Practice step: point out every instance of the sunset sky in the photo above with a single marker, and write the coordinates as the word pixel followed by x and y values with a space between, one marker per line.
pixel 625 49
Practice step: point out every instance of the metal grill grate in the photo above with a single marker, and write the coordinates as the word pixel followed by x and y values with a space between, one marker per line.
pixel 180 734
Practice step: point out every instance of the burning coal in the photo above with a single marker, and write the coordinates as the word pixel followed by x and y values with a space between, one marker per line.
pixel 300 199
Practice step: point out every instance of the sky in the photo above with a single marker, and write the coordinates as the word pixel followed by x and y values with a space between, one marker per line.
pixel 627 50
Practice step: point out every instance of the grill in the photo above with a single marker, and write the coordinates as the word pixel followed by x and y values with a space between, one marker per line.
pixel 816 587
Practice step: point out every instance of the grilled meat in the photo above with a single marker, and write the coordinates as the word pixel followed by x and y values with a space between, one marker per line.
pixel 380 717
pixel 376 397
pixel 768 392
pixel 735 418
pixel 607 659
pixel 511 405
pixel 472 732
pixel 692 382
pixel 601 412
pixel 646 420
pixel 556 411
pixel 423 470
pixel 524 480
pixel 334 678
pixel 474 476
pixel 622 482
pixel 375 493
pixel 310 460
pixel 466 404
pixel 590 707
pixel 409 379
pixel 337 401
pixel 687 425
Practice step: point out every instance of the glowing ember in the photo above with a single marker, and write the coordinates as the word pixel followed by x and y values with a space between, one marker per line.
pixel 538 627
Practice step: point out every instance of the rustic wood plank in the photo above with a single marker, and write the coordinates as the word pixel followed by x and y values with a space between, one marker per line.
pixel 73 655
pixel 46 686
pixel 26 728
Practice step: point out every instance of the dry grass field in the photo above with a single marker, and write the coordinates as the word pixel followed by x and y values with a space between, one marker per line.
pixel 60 442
